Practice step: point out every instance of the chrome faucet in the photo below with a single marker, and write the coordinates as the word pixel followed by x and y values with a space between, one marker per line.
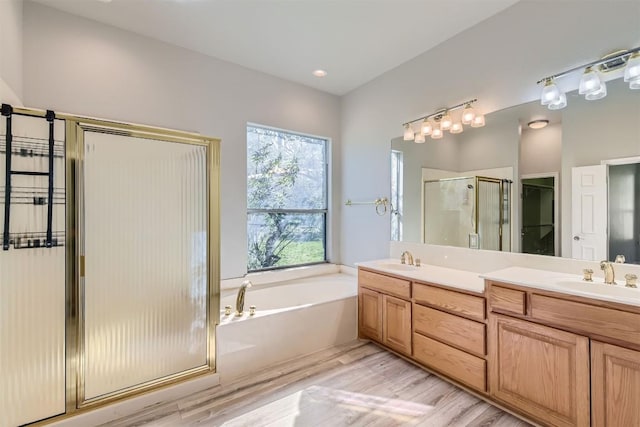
pixel 240 298
pixel 406 257
pixel 609 274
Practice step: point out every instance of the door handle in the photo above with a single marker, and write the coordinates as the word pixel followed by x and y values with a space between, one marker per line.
pixel 576 238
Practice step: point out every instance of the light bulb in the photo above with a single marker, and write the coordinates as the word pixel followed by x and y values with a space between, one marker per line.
pixel 590 82
pixel 427 127
pixel 456 127
pixel 560 103
pixel 467 115
pixel 635 83
pixel 408 132
pixel 632 70
pixel 599 94
pixel 478 121
pixel 550 92
pixel 437 133
pixel 419 139
pixel 446 122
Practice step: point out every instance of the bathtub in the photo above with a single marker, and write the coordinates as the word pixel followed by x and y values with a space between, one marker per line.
pixel 292 318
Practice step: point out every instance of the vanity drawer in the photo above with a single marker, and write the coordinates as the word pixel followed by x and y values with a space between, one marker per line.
pixel 589 319
pixel 507 300
pixel 385 284
pixel 463 333
pixel 463 367
pixel 455 302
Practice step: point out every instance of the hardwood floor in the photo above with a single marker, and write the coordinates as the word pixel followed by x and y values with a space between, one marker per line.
pixel 358 384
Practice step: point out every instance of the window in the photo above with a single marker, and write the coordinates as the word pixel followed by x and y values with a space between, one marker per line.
pixel 286 199
pixel 396 195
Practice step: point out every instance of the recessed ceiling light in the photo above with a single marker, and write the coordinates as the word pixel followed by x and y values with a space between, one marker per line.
pixel 319 73
pixel 538 124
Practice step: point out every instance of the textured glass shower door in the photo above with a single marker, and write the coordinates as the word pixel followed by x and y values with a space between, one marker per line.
pixel 144 293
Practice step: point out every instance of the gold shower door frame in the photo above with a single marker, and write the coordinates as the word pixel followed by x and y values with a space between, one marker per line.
pixel 75 131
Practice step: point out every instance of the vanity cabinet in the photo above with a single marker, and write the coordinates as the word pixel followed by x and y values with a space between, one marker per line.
pixel 615 382
pixel 541 371
pixel 384 313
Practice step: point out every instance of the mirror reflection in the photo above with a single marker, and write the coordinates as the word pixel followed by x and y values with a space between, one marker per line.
pixel 569 181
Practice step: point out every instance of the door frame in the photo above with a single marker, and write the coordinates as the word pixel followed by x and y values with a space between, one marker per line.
pixel 556 206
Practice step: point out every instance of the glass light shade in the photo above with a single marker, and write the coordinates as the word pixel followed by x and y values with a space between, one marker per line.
pixel 419 139
pixel 478 121
pixel 467 115
pixel 408 133
pixel 632 70
pixel 599 94
pixel 437 133
pixel 635 83
pixel 427 127
pixel 446 122
pixel 550 93
pixel 560 103
pixel 590 82
pixel 456 127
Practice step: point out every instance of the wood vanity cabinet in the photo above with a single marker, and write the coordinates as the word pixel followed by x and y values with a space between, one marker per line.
pixel 384 313
pixel 615 385
pixel 541 371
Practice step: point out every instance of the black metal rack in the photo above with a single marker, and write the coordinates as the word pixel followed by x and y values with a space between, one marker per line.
pixel 28 147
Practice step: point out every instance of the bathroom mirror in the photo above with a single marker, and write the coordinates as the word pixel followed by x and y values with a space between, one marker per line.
pixel 545 210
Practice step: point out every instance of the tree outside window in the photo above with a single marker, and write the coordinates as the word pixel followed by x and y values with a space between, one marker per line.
pixel 286 199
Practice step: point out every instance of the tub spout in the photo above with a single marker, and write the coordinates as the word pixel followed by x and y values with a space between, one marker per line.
pixel 240 298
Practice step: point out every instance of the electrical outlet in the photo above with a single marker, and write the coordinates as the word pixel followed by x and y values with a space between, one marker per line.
pixel 473 241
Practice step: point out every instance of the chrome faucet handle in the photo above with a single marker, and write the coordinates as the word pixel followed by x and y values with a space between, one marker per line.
pixel 620 259
pixel 631 280
pixel 587 275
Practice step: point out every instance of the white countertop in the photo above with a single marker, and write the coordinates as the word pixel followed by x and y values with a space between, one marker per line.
pixel 570 284
pixel 465 280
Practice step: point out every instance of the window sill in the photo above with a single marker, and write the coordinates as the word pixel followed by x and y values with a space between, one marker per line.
pixel 273 276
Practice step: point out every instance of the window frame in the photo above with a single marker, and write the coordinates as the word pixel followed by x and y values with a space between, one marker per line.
pixel 326 195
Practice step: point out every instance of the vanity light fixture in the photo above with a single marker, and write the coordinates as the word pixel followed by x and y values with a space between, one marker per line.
pixel 436 123
pixel 538 124
pixel 591 84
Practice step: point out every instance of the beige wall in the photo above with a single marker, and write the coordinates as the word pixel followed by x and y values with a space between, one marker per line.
pixel 11 51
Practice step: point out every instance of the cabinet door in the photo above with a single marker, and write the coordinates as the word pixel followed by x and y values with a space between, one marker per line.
pixel 541 371
pixel 615 373
pixel 396 329
pixel 370 314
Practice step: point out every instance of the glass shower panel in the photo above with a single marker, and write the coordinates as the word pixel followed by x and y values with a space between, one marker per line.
pixel 489 208
pixel 624 221
pixel 145 246
pixel 32 279
pixel 449 211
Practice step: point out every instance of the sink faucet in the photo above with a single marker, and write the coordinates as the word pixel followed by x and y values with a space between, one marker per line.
pixel 240 298
pixel 609 274
pixel 406 255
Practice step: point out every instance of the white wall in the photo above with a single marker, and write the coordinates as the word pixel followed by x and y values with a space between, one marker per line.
pixel 498 61
pixel 540 149
pixel 76 65
pixel 11 51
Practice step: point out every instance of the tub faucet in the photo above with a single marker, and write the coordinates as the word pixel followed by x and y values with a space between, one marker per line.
pixel 609 274
pixel 240 298
pixel 406 257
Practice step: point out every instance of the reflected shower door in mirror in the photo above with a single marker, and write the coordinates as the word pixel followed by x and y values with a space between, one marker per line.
pixel 585 133
pixel 469 212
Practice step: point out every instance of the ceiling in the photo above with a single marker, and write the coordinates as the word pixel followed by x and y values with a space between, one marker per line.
pixel 353 40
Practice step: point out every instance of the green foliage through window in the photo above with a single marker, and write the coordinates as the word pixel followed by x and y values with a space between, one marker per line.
pixel 286 199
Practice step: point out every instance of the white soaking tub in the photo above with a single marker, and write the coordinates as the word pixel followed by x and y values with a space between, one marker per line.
pixel 292 318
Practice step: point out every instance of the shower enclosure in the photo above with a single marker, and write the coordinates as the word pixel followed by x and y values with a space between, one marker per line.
pixel 624 211
pixel 110 263
pixel 471 212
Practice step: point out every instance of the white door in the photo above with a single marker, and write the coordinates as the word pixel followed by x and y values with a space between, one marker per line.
pixel 589 212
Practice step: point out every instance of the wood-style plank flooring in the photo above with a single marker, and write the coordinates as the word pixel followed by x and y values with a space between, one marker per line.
pixel 358 384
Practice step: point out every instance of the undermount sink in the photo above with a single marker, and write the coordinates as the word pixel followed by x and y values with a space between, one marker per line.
pixel 399 267
pixel 599 288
